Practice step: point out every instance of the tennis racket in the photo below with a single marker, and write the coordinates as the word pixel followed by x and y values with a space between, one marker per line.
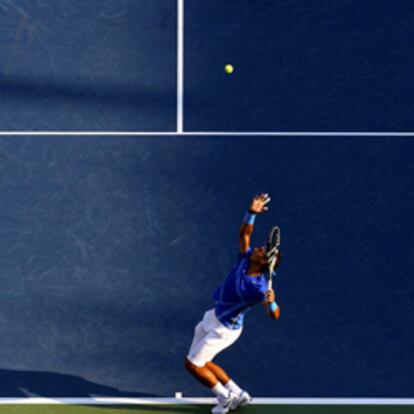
pixel 272 250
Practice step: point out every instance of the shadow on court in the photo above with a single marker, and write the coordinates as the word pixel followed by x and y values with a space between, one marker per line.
pixel 47 384
pixel 23 384
pixel 105 92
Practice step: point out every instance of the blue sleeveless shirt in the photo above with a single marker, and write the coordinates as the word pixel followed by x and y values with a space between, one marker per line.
pixel 238 293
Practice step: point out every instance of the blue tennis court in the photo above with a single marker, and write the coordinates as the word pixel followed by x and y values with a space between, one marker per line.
pixel 128 157
pixel 320 65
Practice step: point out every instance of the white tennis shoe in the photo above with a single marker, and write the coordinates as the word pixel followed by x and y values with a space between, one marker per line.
pixel 224 404
pixel 242 399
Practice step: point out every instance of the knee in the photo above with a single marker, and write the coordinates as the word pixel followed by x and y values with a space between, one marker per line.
pixel 189 366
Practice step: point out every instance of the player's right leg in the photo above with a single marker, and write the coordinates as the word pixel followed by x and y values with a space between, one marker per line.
pixel 201 351
pixel 203 374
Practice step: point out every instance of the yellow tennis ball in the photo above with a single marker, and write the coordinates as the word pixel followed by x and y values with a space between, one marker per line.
pixel 228 69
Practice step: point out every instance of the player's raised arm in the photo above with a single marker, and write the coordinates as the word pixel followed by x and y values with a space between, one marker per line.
pixel 257 206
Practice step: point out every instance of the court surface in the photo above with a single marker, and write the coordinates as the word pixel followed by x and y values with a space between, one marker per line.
pixel 121 133
pixel 319 65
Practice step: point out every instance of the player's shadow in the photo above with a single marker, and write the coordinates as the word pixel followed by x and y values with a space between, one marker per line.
pixel 23 384
pixel 20 384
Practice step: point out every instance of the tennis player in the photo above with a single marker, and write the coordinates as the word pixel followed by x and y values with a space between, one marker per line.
pixel 244 287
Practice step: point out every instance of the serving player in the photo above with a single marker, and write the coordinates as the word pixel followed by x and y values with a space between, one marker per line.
pixel 244 287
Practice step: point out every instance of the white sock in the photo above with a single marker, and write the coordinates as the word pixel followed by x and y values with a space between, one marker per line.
pixel 233 387
pixel 220 391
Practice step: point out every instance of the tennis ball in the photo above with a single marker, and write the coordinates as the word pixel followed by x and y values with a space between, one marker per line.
pixel 228 69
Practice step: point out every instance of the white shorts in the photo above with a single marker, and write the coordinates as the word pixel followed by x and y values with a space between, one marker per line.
pixel 210 338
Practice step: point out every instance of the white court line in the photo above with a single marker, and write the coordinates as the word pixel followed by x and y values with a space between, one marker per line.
pixel 209 134
pixel 205 401
pixel 180 66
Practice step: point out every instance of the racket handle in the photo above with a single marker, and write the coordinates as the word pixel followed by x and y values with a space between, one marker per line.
pixel 269 283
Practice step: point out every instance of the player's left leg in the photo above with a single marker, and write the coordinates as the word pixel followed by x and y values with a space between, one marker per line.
pixel 219 372
pixel 226 399
pixel 203 348
pixel 243 397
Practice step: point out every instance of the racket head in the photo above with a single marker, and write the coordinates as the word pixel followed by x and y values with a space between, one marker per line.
pixel 272 250
pixel 273 242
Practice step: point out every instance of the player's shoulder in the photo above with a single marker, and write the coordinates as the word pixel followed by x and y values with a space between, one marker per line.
pixel 246 254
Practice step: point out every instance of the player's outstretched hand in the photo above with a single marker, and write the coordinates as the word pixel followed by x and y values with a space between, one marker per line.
pixel 258 204
pixel 270 296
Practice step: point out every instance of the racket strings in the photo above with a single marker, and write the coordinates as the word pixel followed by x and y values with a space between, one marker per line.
pixel 272 248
